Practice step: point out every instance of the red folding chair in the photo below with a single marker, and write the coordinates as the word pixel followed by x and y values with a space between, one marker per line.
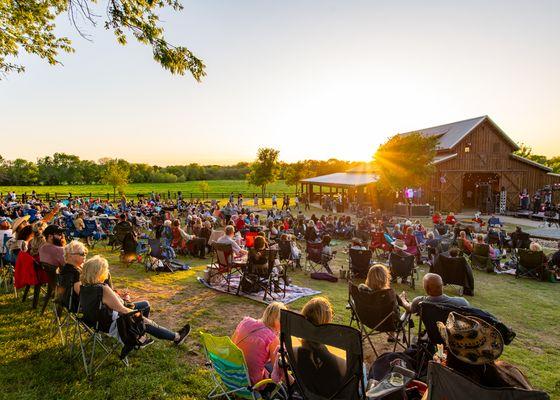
pixel 222 265
pixel 250 239
pixel 379 245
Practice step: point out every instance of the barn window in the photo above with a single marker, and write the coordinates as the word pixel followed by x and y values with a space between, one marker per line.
pixel 467 148
pixel 496 147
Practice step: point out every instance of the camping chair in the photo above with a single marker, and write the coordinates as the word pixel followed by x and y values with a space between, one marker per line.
pixel 250 239
pixel 7 268
pixel 454 271
pixel 314 259
pixel 445 383
pixel 285 254
pixel 230 373
pixel 158 258
pixel 120 233
pixel 51 272
pixel 265 277
pixel 480 257
pixel 64 309
pixel 91 232
pixel 71 231
pixel 428 333
pixel 403 267
pixel 530 264
pixel 222 265
pixel 379 245
pixel 494 238
pixel 88 324
pixel 325 360
pixel 359 262
pixel 376 313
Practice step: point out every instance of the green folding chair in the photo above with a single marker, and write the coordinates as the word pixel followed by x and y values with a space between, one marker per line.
pixel 231 376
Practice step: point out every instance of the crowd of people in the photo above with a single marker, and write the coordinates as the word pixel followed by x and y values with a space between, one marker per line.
pixel 33 235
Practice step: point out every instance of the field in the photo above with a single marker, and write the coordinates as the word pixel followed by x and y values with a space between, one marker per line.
pixel 33 364
pixel 220 187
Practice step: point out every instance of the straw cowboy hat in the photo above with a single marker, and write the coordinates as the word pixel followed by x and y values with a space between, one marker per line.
pixel 399 244
pixel 18 221
pixel 471 339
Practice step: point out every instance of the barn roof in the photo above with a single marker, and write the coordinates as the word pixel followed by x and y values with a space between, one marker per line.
pixel 451 134
pixel 531 162
pixel 343 179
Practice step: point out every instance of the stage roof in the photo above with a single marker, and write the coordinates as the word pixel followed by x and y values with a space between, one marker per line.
pixel 343 179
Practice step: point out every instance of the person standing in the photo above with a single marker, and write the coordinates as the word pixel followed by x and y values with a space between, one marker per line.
pixel 274 200
pixel 256 200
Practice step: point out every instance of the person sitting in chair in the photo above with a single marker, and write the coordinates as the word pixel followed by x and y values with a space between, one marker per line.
pixel 79 223
pixel 228 239
pixel 450 219
pixel 75 254
pixel 378 278
pixel 494 221
pixel 322 369
pixel 327 253
pixel 95 271
pixel 433 286
pixel 258 340
pixel 467 245
pixel 554 263
pixel 397 256
pixel 473 347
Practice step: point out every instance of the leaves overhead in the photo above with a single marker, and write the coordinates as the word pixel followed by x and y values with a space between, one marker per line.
pixel 405 160
pixel 28 26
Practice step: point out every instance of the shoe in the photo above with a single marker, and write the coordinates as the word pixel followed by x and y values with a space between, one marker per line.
pixel 148 341
pixel 183 333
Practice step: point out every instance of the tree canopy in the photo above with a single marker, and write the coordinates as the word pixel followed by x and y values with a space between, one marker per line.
pixel 405 160
pixel 526 151
pixel 29 25
pixel 265 169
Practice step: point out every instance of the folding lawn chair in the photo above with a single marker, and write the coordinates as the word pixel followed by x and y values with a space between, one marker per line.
pixel 90 329
pixel 285 254
pixel 158 258
pixel 265 277
pixel 445 383
pixel 455 271
pixel 379 245
pixel 222 265
pixel 403 267
pixel 530 264
pixel 250 239
pixel 51 272
pixel 314 259
pixel 7 268
pixel 91 233
pixel 480 257
pixel 428 333
pixel 325 360
pixel 230 374
pixel 359 262
pixel 376 313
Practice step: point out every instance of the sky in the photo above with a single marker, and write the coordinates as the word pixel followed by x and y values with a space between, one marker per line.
pixel 315 79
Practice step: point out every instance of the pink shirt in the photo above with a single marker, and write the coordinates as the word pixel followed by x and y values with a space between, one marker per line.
pixel 254 339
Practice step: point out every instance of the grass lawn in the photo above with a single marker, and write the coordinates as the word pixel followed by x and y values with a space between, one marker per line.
pixel 34 366
pixel 216 186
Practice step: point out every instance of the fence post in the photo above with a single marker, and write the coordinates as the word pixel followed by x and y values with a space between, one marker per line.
pixel 55 196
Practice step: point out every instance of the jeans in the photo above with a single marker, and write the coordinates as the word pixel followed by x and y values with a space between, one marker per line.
pixel 152 328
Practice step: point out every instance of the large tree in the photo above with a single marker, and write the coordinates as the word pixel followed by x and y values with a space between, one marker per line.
pixel 405 160
pixel 264 170
pixel 28 26
pixel 116 175
pixel 296 172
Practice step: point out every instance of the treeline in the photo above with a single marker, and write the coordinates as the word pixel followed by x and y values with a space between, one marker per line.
pixel 527 152
pixel 68 169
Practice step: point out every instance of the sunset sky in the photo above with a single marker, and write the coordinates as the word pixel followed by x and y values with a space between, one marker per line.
pixel 314 79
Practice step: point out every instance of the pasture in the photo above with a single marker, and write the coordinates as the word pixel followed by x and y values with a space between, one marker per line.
pixel 218 189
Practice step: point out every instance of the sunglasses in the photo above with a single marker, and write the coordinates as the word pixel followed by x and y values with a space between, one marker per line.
pixel 83 254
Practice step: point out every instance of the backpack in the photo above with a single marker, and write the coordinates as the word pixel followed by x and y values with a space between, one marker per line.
pixel 132 331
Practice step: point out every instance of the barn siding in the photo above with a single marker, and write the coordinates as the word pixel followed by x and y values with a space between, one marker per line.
pixel 489 152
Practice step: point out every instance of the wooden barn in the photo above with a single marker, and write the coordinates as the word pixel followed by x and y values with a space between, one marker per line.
pixel 475 166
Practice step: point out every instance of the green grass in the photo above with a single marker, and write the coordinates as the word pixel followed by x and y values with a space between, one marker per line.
pixel 217 186
pixel 33 365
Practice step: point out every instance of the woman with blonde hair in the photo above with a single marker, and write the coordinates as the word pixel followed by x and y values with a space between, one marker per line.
pixel 378 278
pixel 75 254
pixel 95 272
pixel 258 339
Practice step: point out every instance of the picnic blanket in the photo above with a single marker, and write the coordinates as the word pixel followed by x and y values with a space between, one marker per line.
pixel 293 292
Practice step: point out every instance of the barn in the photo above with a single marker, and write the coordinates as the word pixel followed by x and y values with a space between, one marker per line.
pixel 476 166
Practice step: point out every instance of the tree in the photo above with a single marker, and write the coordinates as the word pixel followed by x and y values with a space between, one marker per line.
pixel 22 172
pixel 296 172
pixel 203 187
pixel 28 25
pixel 405 161
pixel 526 151
pixel 115 175
pixel 264 170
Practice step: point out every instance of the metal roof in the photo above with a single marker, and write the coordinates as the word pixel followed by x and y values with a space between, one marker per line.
pixel 451 134
pixel 343 179
pixel 531 162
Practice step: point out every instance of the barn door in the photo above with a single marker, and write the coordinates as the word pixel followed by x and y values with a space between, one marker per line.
pixel 451 192
pixel 511 181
